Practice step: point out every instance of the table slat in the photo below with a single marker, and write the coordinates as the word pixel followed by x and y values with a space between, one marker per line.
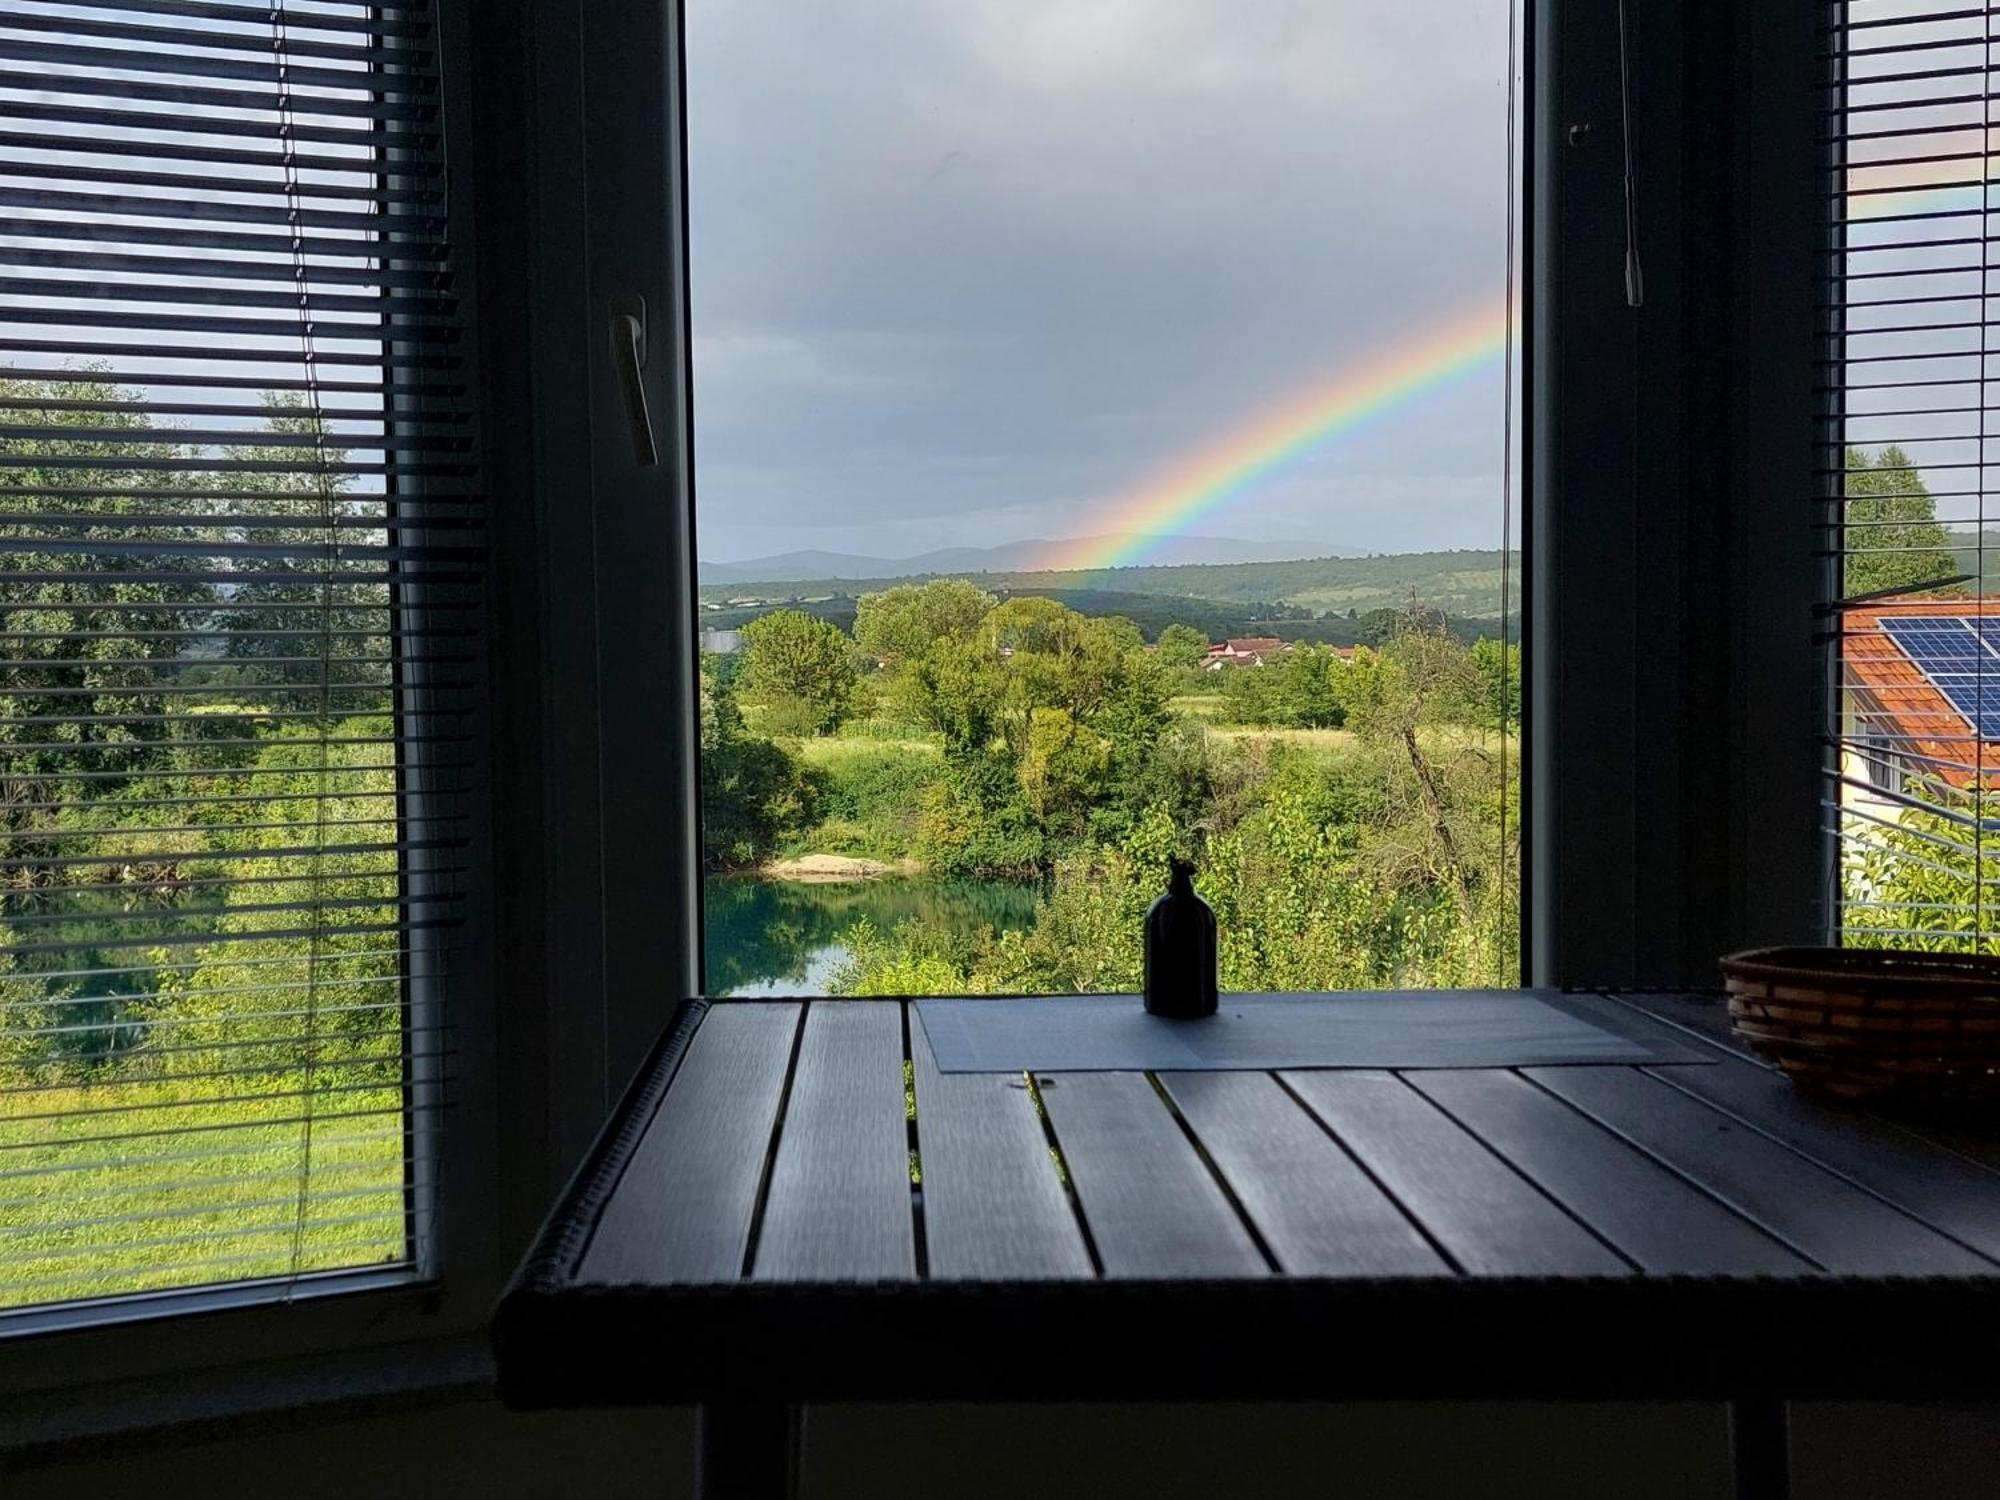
pixel 1655 1218
pixel 1152 1206
pixel 1317 1211
pixel 1965 1134
pixel 994 1205
pixel 683 1209
pixel 1838 1225
pixel 1942 1189
pixel 838 1207
pixel 1487 1217
pixel 1707 1016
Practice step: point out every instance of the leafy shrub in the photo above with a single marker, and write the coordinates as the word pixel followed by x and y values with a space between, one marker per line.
pixel 871 798
pixel 753 792
pixel 973 822
pixel 913 958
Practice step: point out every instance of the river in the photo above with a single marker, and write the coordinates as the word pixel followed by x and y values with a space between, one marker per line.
pixel 782 937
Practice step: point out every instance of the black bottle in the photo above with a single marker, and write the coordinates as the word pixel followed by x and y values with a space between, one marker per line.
pixel 1180 950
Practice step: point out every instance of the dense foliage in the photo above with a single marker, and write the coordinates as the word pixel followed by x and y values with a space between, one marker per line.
pixel 801 669
pixel 752 790
pixel 1925 878
pixel 1352 812
pixel 193 943
pixel 1894 540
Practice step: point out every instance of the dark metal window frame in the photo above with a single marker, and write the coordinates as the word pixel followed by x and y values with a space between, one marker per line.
pixel 1672 751
pixel 152 1334
pixel 1675 743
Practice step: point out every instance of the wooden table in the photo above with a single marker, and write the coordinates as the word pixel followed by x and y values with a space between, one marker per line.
pixel 793 1205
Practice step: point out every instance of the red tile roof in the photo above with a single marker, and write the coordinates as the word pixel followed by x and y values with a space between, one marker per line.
pixel 1898 701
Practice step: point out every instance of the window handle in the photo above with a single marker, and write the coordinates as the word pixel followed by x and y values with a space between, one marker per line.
pixel 628 354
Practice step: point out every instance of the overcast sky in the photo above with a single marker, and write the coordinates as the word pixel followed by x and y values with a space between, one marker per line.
pixel 966 271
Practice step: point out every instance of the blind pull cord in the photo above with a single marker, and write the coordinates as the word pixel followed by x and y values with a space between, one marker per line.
pixel 1635 276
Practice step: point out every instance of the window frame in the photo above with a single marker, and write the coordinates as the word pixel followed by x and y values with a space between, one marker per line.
pixel 570 969
pixel 167 1333
pixel 1674 680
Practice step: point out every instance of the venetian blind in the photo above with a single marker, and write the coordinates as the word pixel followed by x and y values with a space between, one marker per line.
pixel 239 604
pixel 1909 370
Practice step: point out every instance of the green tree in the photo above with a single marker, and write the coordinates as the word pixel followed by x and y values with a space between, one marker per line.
pixel 93 697
pixel 974 820
pixel 902 624
pixel 1407 701
pixel 1893 537
pixel 939 673
pixel 1183 649
pixel 88 647
pixel 1309 687
pixel 753 793
pixel 915 958
pixel 306 621
pixel 1499 666
pixel 802 668
pixel 1055 657
pixel 1063 769
pixel 1304 687
pixel 953 690
pixel 1178 776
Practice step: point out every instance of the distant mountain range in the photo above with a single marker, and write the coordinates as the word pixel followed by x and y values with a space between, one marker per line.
pixel 1008 557
pixel 1314 599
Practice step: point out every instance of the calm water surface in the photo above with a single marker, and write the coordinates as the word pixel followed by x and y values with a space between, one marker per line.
pixel 782 937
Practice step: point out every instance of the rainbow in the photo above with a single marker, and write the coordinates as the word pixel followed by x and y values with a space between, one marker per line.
pixel 1211 477
pixel 1206 479
pixel 1957 182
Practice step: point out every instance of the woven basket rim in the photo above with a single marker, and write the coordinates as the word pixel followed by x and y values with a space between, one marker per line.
pixel 1967 976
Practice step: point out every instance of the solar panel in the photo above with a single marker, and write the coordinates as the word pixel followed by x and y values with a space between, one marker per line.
pixel 1960 655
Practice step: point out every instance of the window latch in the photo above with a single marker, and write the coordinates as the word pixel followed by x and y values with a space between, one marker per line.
pixel 628 357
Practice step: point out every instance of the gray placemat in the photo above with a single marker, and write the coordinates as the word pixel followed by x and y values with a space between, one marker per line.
pixel 1376 1029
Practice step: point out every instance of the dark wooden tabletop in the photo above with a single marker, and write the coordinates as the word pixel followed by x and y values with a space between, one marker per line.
pixel 792 1203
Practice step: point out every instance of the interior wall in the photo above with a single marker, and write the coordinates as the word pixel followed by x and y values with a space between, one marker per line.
pixel 1411 1451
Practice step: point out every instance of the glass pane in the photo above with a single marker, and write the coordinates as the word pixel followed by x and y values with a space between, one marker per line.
pixel 218 850
pixel 1102 453
pixel 1914 715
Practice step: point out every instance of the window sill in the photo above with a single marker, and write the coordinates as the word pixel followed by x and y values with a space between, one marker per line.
pixel 240 1399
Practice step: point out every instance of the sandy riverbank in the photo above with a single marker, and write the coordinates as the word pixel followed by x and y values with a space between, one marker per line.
pixel 820 869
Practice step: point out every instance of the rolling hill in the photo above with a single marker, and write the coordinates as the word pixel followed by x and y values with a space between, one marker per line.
pixel 1323 599
pixel 1029 556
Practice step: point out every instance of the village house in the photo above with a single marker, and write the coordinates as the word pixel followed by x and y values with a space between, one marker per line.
pixel 1920 690
pixel 1242 651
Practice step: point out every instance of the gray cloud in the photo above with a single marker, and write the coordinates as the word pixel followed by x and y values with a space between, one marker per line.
pixel 964 270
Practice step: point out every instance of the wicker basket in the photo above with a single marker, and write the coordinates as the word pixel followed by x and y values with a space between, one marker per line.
pixel 1858 1022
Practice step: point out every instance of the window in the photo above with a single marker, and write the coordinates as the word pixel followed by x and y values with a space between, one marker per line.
pixel 238 616
pixel 1103 439
pixel 1909 371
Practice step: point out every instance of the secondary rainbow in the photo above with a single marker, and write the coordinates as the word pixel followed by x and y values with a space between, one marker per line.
pixel 1209 478
pixel 1955 180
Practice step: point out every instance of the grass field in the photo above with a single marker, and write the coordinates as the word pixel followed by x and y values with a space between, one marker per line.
pixel 1305 739
pixel 835 752
pixel 1344 739
pixel 140 1186
pixel 1208 707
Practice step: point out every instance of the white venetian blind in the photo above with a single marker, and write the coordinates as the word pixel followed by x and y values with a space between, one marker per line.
pixel 1913 408
pixel 239 596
